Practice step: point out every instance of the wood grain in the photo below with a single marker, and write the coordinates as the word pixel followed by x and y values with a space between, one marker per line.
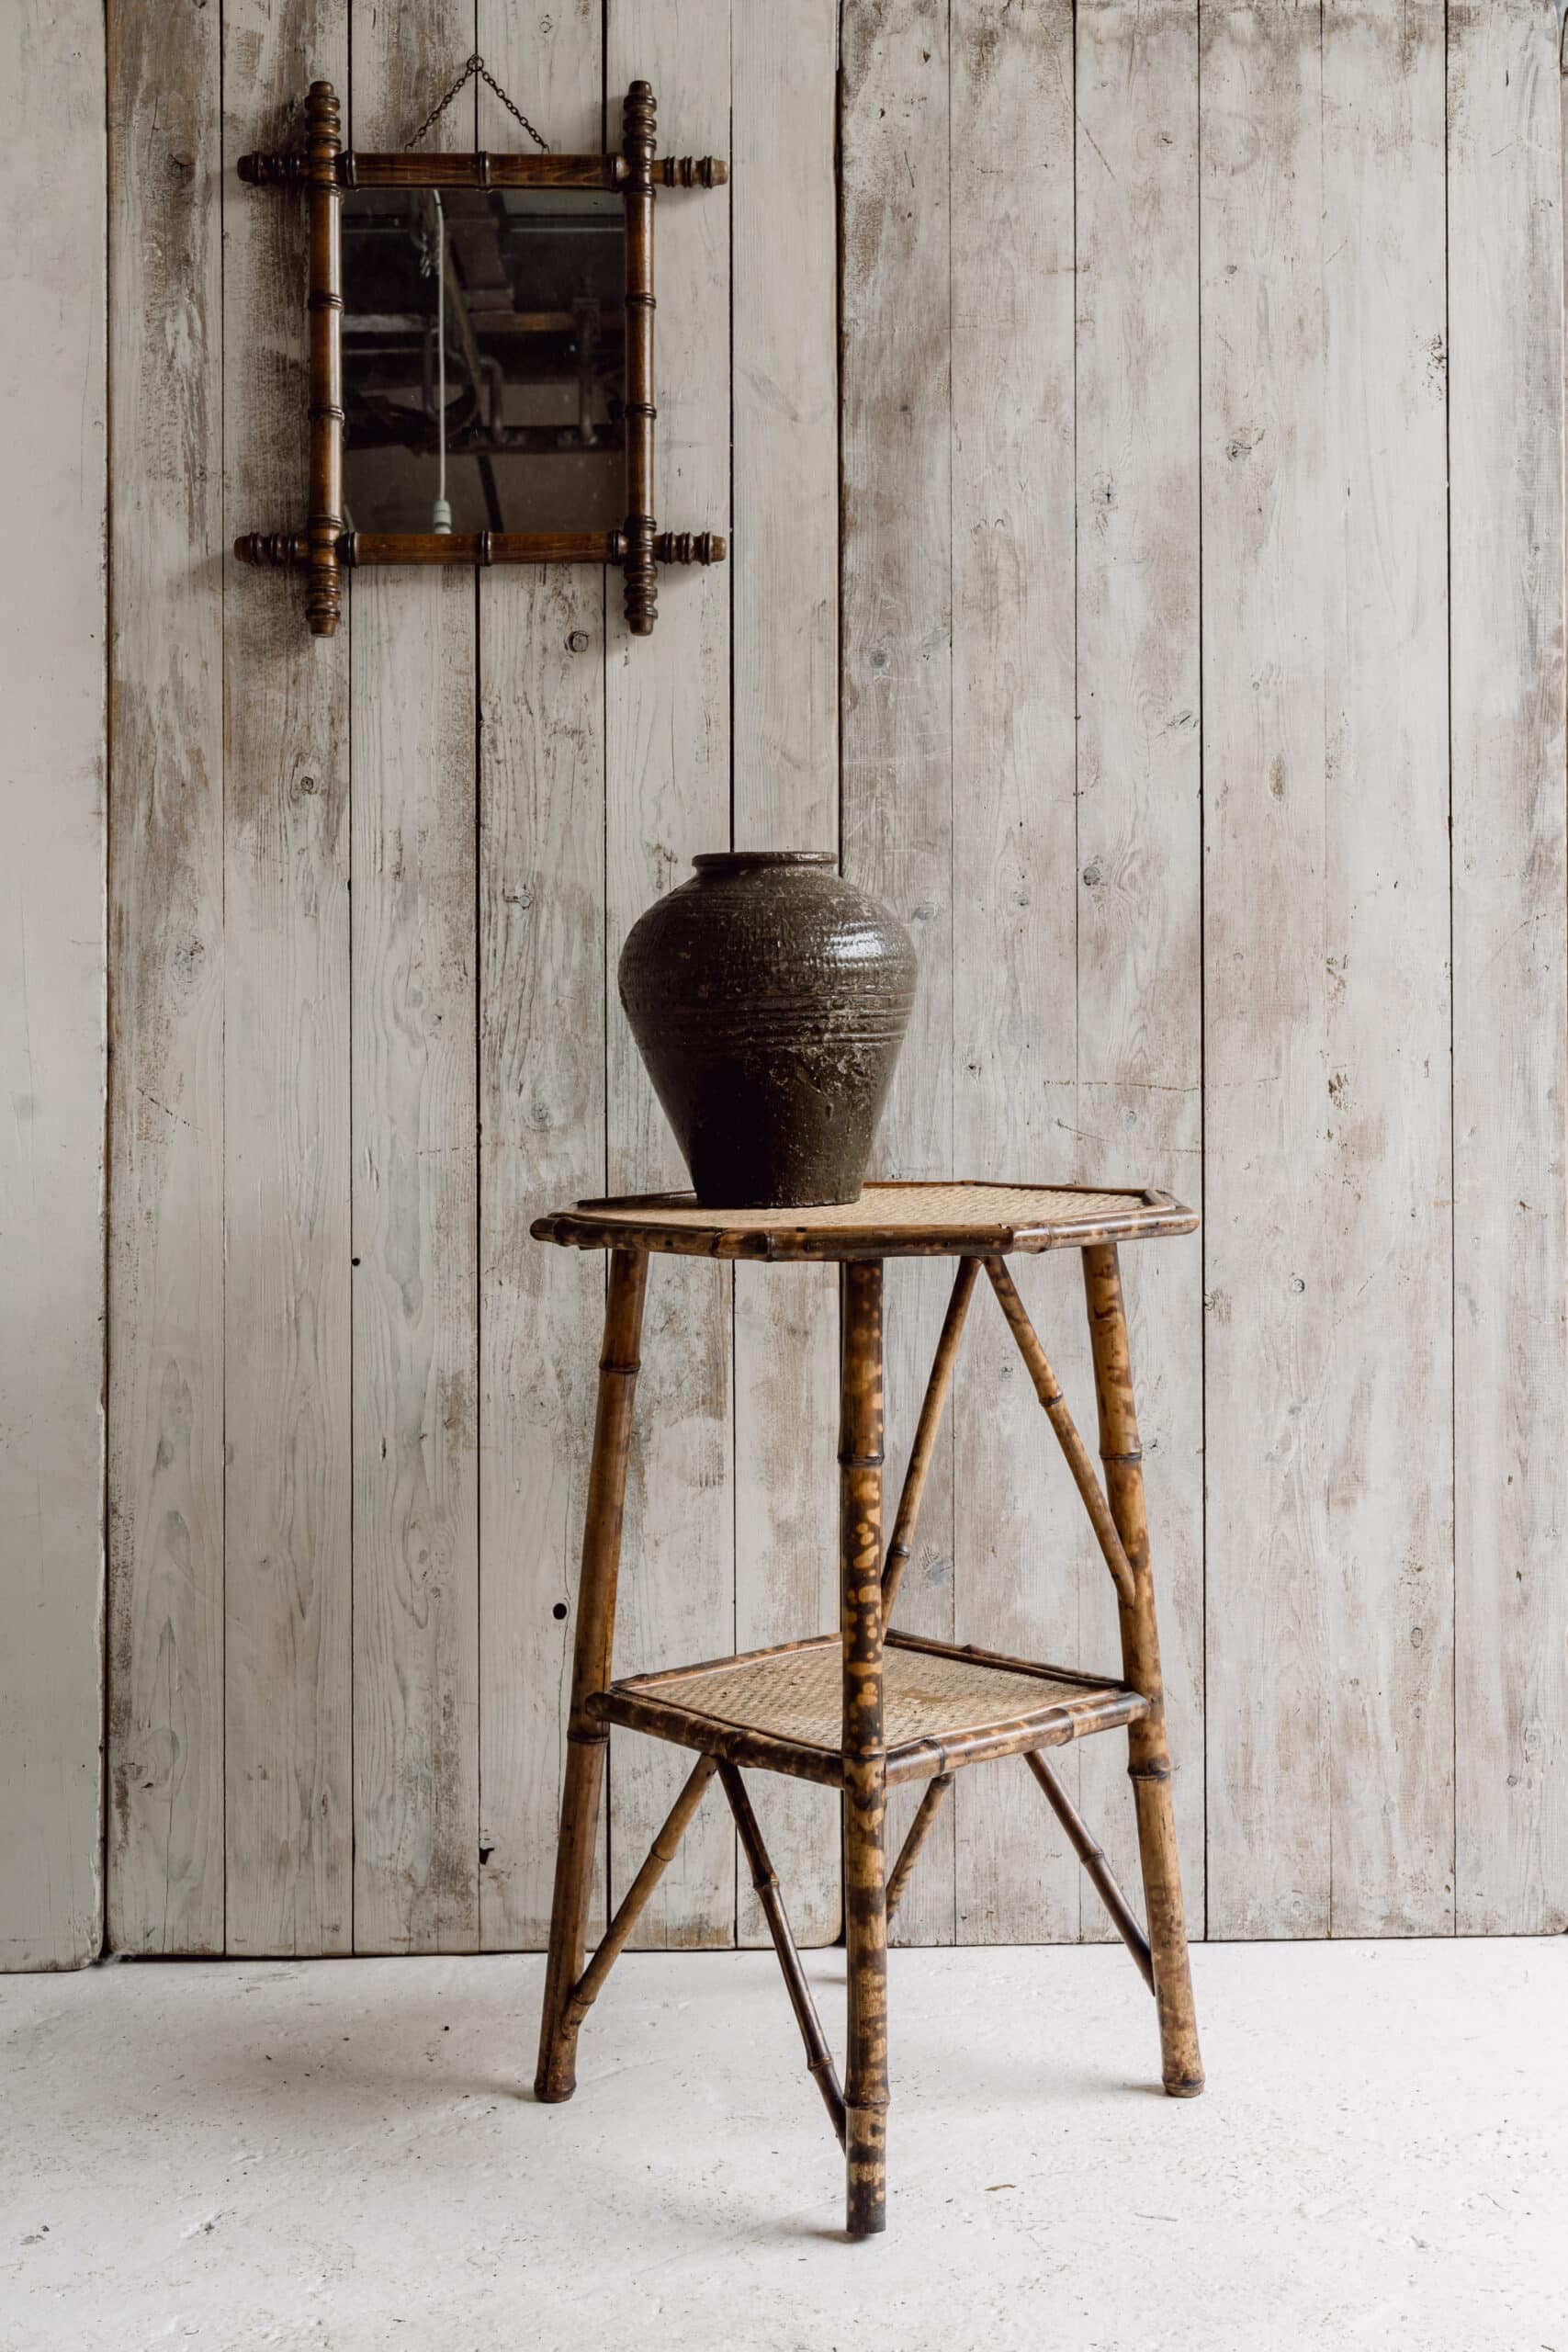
pixel 288 1773
pixel 1267 520
pixel 896 699
pixel 1510 1281
pixel 1037 246
pixel 166 1262
pixel 1020 1543
pixel 786 588
pixel 52 629
pixel 1388 1423
pixel 413 748
pixel 1139 955
pixel 541 982
pixel 668 786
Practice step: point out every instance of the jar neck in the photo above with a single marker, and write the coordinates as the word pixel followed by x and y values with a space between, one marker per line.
pixel 717 863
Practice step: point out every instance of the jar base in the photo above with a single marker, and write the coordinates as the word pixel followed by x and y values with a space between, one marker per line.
pixel 725 1199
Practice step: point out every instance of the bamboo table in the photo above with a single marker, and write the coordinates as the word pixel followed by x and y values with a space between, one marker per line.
pixel 866 1708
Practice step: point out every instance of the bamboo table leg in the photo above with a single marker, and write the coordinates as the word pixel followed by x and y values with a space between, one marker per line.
pixel 1149 1749
pixel 556 2076
pixel 859 1559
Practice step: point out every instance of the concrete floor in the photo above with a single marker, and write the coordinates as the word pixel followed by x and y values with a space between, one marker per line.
pixel 336 2155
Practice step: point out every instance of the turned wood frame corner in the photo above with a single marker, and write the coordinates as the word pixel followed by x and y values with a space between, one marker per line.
pixel 325 549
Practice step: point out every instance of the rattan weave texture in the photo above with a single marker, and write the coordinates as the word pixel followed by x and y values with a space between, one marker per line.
pixel 798 1694
pixel 888 1220
pixel 897 1205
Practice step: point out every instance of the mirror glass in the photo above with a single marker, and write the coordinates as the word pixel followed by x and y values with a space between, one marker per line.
pixel 483 360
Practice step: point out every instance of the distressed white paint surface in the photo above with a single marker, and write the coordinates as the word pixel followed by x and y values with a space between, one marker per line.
pixel 1023 1551
pixel 52 648
pixel 287 1371
pixel 1194 320
pixel 416 1427
pixel 1388 1415
pixel 1269 525
pixel 1511 951
pixel 1140 823
pixel 166 1262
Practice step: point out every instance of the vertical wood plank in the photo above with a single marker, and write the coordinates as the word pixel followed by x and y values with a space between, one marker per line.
pixel 52 632
pixel 1140 826
pixel 896 703
pixel 785 796
pixel 287 1562
pixel 1021 1546
pixel 166 1262
pixel 542 1093
pixel 668 786
pixel 1388 1411
pixel 1505 440
pixel 412 758
pixel 1268 1166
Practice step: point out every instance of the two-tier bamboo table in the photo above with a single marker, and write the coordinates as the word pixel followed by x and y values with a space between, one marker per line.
pixel 866 1708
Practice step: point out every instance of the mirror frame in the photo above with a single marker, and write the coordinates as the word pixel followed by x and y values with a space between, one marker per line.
pixel 325 550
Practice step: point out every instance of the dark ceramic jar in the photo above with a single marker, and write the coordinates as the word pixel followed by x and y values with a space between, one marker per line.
pixel 769 998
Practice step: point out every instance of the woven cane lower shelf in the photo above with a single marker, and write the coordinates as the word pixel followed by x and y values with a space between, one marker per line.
pixel 783 1709
pixel 857 1710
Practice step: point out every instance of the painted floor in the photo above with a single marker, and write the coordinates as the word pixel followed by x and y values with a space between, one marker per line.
pixel 345 2154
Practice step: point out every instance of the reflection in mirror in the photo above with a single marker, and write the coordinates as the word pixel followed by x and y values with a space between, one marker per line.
pixel 483 360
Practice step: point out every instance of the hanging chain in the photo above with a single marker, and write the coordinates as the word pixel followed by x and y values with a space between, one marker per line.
pixel 476 65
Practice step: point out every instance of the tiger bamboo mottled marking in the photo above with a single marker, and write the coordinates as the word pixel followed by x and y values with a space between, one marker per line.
pixel 865 1916
pixel 674 1706
pixel 920 1830
pixel 902 1219
pixel 324 549
pixel 822 1709
pixel 1101 1517
pixel 1149 1749
pixel 1096 1868
pixel 660 1854
pixel 764 1879
pixel 586 1737
pixel 907 1517
pixel 324 591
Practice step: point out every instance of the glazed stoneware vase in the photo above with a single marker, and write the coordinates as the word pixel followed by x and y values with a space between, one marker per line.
pixel 769 998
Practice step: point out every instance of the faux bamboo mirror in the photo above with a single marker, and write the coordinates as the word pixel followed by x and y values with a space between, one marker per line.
pixel 481 359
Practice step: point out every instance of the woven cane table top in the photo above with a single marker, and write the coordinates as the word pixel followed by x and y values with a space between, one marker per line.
pixel 941 1705
pixel 903 1220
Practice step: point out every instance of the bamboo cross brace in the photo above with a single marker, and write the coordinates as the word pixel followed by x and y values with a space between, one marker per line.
pixel 1061 1420
pixel 1096 1868
pixel 919 1831
pixel 925 1430
pixel 660 1854
pixel 819 2057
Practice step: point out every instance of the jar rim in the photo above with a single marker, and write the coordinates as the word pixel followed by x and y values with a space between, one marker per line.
pixel 735 860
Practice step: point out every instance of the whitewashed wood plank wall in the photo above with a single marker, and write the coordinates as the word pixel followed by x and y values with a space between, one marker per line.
pixel 53 617
pixel 1144 468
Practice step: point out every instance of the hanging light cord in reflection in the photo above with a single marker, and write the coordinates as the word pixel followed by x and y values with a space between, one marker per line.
pixel 441 515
